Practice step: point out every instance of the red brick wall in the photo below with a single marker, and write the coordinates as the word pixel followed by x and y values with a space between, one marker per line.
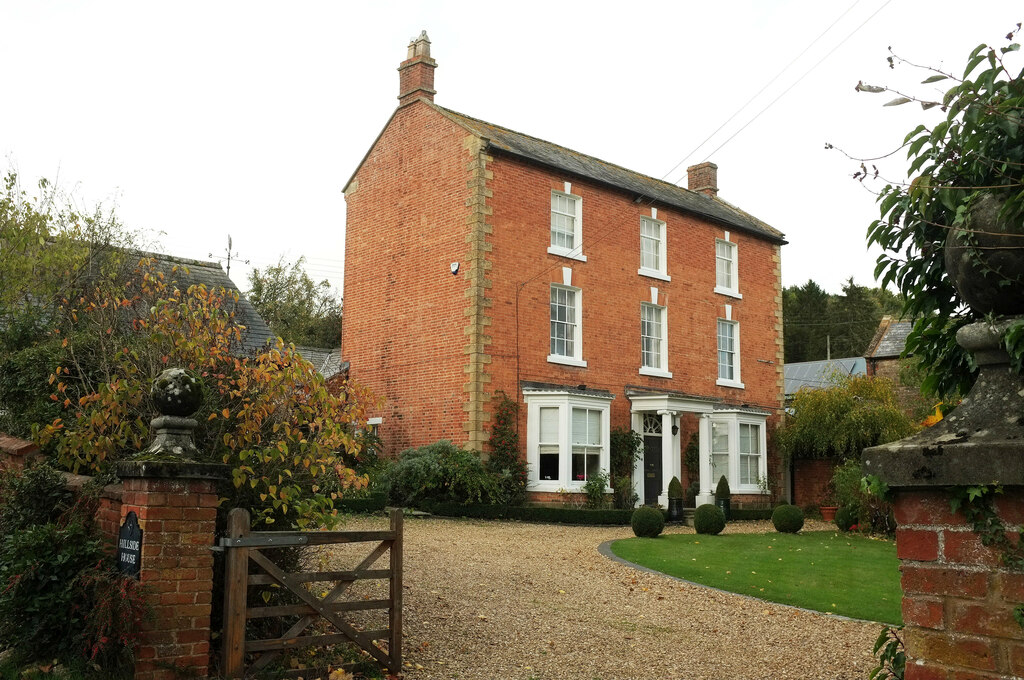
pixel 108 514
pixel 177 517
pixel 403 330
pixel 612 292
pixel 810 477
pixel 405 312
pixel 958 599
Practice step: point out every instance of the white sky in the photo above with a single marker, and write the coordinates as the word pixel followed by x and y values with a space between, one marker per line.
pixel 202 119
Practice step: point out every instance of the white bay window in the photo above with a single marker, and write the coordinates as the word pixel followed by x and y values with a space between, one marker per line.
pixel 567 437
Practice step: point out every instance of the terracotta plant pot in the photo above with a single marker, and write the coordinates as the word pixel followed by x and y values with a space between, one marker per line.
pixel 828 512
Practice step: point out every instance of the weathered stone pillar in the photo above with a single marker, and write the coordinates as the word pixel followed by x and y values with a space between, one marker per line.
pixel 175 500
pixel 959 594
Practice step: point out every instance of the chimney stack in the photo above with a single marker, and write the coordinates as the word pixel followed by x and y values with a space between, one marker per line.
pixel 416 73
pixel 703 178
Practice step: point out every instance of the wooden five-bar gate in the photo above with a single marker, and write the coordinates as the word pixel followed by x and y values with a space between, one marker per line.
pixel 241 546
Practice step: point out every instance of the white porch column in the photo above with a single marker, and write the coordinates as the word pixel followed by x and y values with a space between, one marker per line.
pixel 666 456
pixel 706 494
pixel 637 422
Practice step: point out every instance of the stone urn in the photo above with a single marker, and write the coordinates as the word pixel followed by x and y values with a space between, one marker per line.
pixel 980 441
pixel 177 393
pixel 986 261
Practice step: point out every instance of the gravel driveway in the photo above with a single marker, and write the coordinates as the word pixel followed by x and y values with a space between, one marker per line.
pixel 496 600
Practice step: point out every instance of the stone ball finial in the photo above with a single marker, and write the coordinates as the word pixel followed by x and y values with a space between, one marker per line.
pixel 986 263
pixel 177 392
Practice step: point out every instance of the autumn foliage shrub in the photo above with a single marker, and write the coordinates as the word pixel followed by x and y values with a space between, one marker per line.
pixel 270 415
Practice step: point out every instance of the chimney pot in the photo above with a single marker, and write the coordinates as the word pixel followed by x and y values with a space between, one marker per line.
pixel 416 73
pixel 703 178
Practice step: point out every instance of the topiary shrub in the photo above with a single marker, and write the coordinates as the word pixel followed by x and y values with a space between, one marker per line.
pixel 788 519
pixel 708 519
pixel 647 522
pixel 675 488
pixel 722 490
pixel 846 518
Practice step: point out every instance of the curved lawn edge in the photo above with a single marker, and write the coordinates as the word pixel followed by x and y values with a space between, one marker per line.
pixel 605 549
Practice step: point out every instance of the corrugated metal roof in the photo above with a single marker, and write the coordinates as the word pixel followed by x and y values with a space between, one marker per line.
pixel 580 164
pixel 817 374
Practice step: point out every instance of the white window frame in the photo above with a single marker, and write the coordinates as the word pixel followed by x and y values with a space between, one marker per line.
pixel 735 381
pixel 661 271
pixel 565 402
pixel 742 455
pixel 576 252
pixel 660 370
pixel 732 290
pixel 732 421
pixel 576 358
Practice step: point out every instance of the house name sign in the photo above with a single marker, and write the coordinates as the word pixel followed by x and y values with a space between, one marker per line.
pixel 129 547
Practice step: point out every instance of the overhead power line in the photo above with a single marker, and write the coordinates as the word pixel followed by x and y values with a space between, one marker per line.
pixel 758 94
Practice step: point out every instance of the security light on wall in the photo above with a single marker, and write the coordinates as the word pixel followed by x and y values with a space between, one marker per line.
pixel 455 268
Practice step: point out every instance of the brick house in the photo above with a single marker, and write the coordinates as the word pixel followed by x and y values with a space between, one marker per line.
pixel 479 260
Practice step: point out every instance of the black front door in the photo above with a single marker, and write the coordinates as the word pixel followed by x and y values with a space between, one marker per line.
pixel 652 469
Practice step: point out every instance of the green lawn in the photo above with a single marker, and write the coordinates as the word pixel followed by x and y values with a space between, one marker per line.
pixel 843 574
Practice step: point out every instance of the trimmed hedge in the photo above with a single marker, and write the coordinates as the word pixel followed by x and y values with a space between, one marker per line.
pixel 736 514
pixel 532 513
pixel 363 506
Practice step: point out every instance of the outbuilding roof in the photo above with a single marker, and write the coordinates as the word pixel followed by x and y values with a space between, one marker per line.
pixel 815 375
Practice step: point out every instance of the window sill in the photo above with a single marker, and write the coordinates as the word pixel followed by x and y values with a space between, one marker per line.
pixel 749 490
pixel 571 254
pixel 566 361
pixel 655 372
pixel 731 292
pixel 653 273
pixel 730 383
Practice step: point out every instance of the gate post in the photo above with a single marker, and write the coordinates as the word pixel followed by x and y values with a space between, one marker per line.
pixel 395 615
pixel 175 500
pixel 959 591
pixel 236 576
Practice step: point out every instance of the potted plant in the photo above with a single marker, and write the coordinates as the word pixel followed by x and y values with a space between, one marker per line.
pixel 828 505
pixel 675 500
pixel 723 496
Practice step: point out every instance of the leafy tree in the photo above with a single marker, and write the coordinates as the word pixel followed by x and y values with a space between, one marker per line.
pixel 817 322
pixel 842 420
pixel 976 150
pixel 854 317
pixel 95 325
pixel 803 310
pixel 294 306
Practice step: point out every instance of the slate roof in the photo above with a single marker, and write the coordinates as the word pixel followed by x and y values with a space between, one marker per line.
pixel 816 374
pixel 186 272
pixel 890 339
pixel 560 157
pixel 326 361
